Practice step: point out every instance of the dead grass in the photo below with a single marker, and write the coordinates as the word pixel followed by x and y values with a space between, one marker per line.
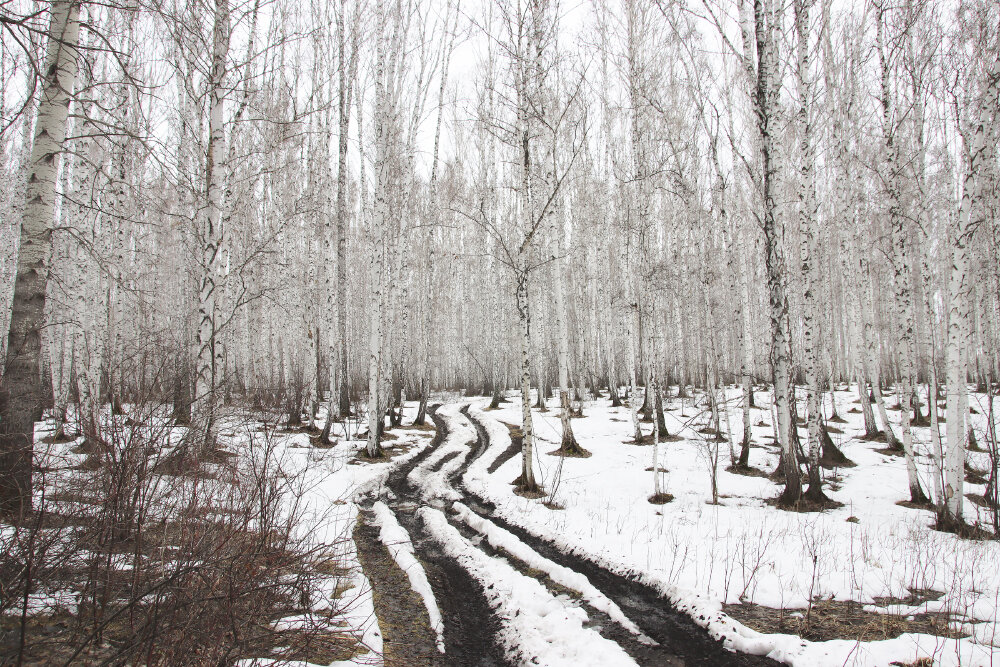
pixel 847 620
pixel 805 505
pixel 578 453
pixel 135 568
pixel 746 471
pixel 418 427
pixel 531 494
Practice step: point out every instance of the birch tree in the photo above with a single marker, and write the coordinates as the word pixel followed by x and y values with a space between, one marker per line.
pixel 764 105
pixel 980 108
pixel 21 391
pixel 900 262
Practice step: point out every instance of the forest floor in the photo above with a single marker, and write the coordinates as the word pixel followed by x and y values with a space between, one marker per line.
pixel 433 560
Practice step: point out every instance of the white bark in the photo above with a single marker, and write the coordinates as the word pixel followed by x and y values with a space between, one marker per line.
pixel 211 237
pixel 21 397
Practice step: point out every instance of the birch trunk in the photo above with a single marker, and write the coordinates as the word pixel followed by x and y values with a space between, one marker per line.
pixel 378 261
pixel 569 444
pixel 774 260
pixel 808 210
pixel 211 236
pixel 21 390
pixel 527 481
pixel 425 370
pixel 959 297
pixel 339 379
pixel 900 264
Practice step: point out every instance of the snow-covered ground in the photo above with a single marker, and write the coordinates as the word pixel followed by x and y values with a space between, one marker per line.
pixel 742 550
pixel 700 556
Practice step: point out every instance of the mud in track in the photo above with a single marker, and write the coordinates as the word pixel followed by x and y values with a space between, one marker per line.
pixel 408 638
pixel 674 630
pixel 470 626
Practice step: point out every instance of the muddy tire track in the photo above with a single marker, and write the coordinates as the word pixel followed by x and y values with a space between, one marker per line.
pixel 676 632
pixel 470 625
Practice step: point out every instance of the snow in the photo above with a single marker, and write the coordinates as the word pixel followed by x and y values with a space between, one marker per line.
pixel 397 541
pixel 536 627
pixel 701 555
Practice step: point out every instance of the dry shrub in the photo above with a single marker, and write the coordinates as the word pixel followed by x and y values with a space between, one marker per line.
pixel 163 569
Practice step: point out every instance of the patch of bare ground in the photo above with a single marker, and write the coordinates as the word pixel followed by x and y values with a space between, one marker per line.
pixel 387 436
pixel 530 495
pixel 363 457
pixel 847 620
pixel 973 476
pixel 221 602
pixel 513 449
pixel 53 639
pixel 58 439
pixel 926 505
pixel 805 505
pixel 746 471
pixel 301 427
pixel 578 453
pixel 660 498
pixel 979 500
pixel 181 463
pixel 648 440
pixel 317 442
pixel 962 529
pixel 298 646
pixel 425 427
pixel 389 452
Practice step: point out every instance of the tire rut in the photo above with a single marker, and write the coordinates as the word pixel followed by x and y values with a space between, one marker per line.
pixel 406 632
pixel 470 625
pixel 678 635
pixel 643 654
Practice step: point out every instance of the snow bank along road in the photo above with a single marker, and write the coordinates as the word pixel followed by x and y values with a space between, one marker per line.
pixel 494 594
